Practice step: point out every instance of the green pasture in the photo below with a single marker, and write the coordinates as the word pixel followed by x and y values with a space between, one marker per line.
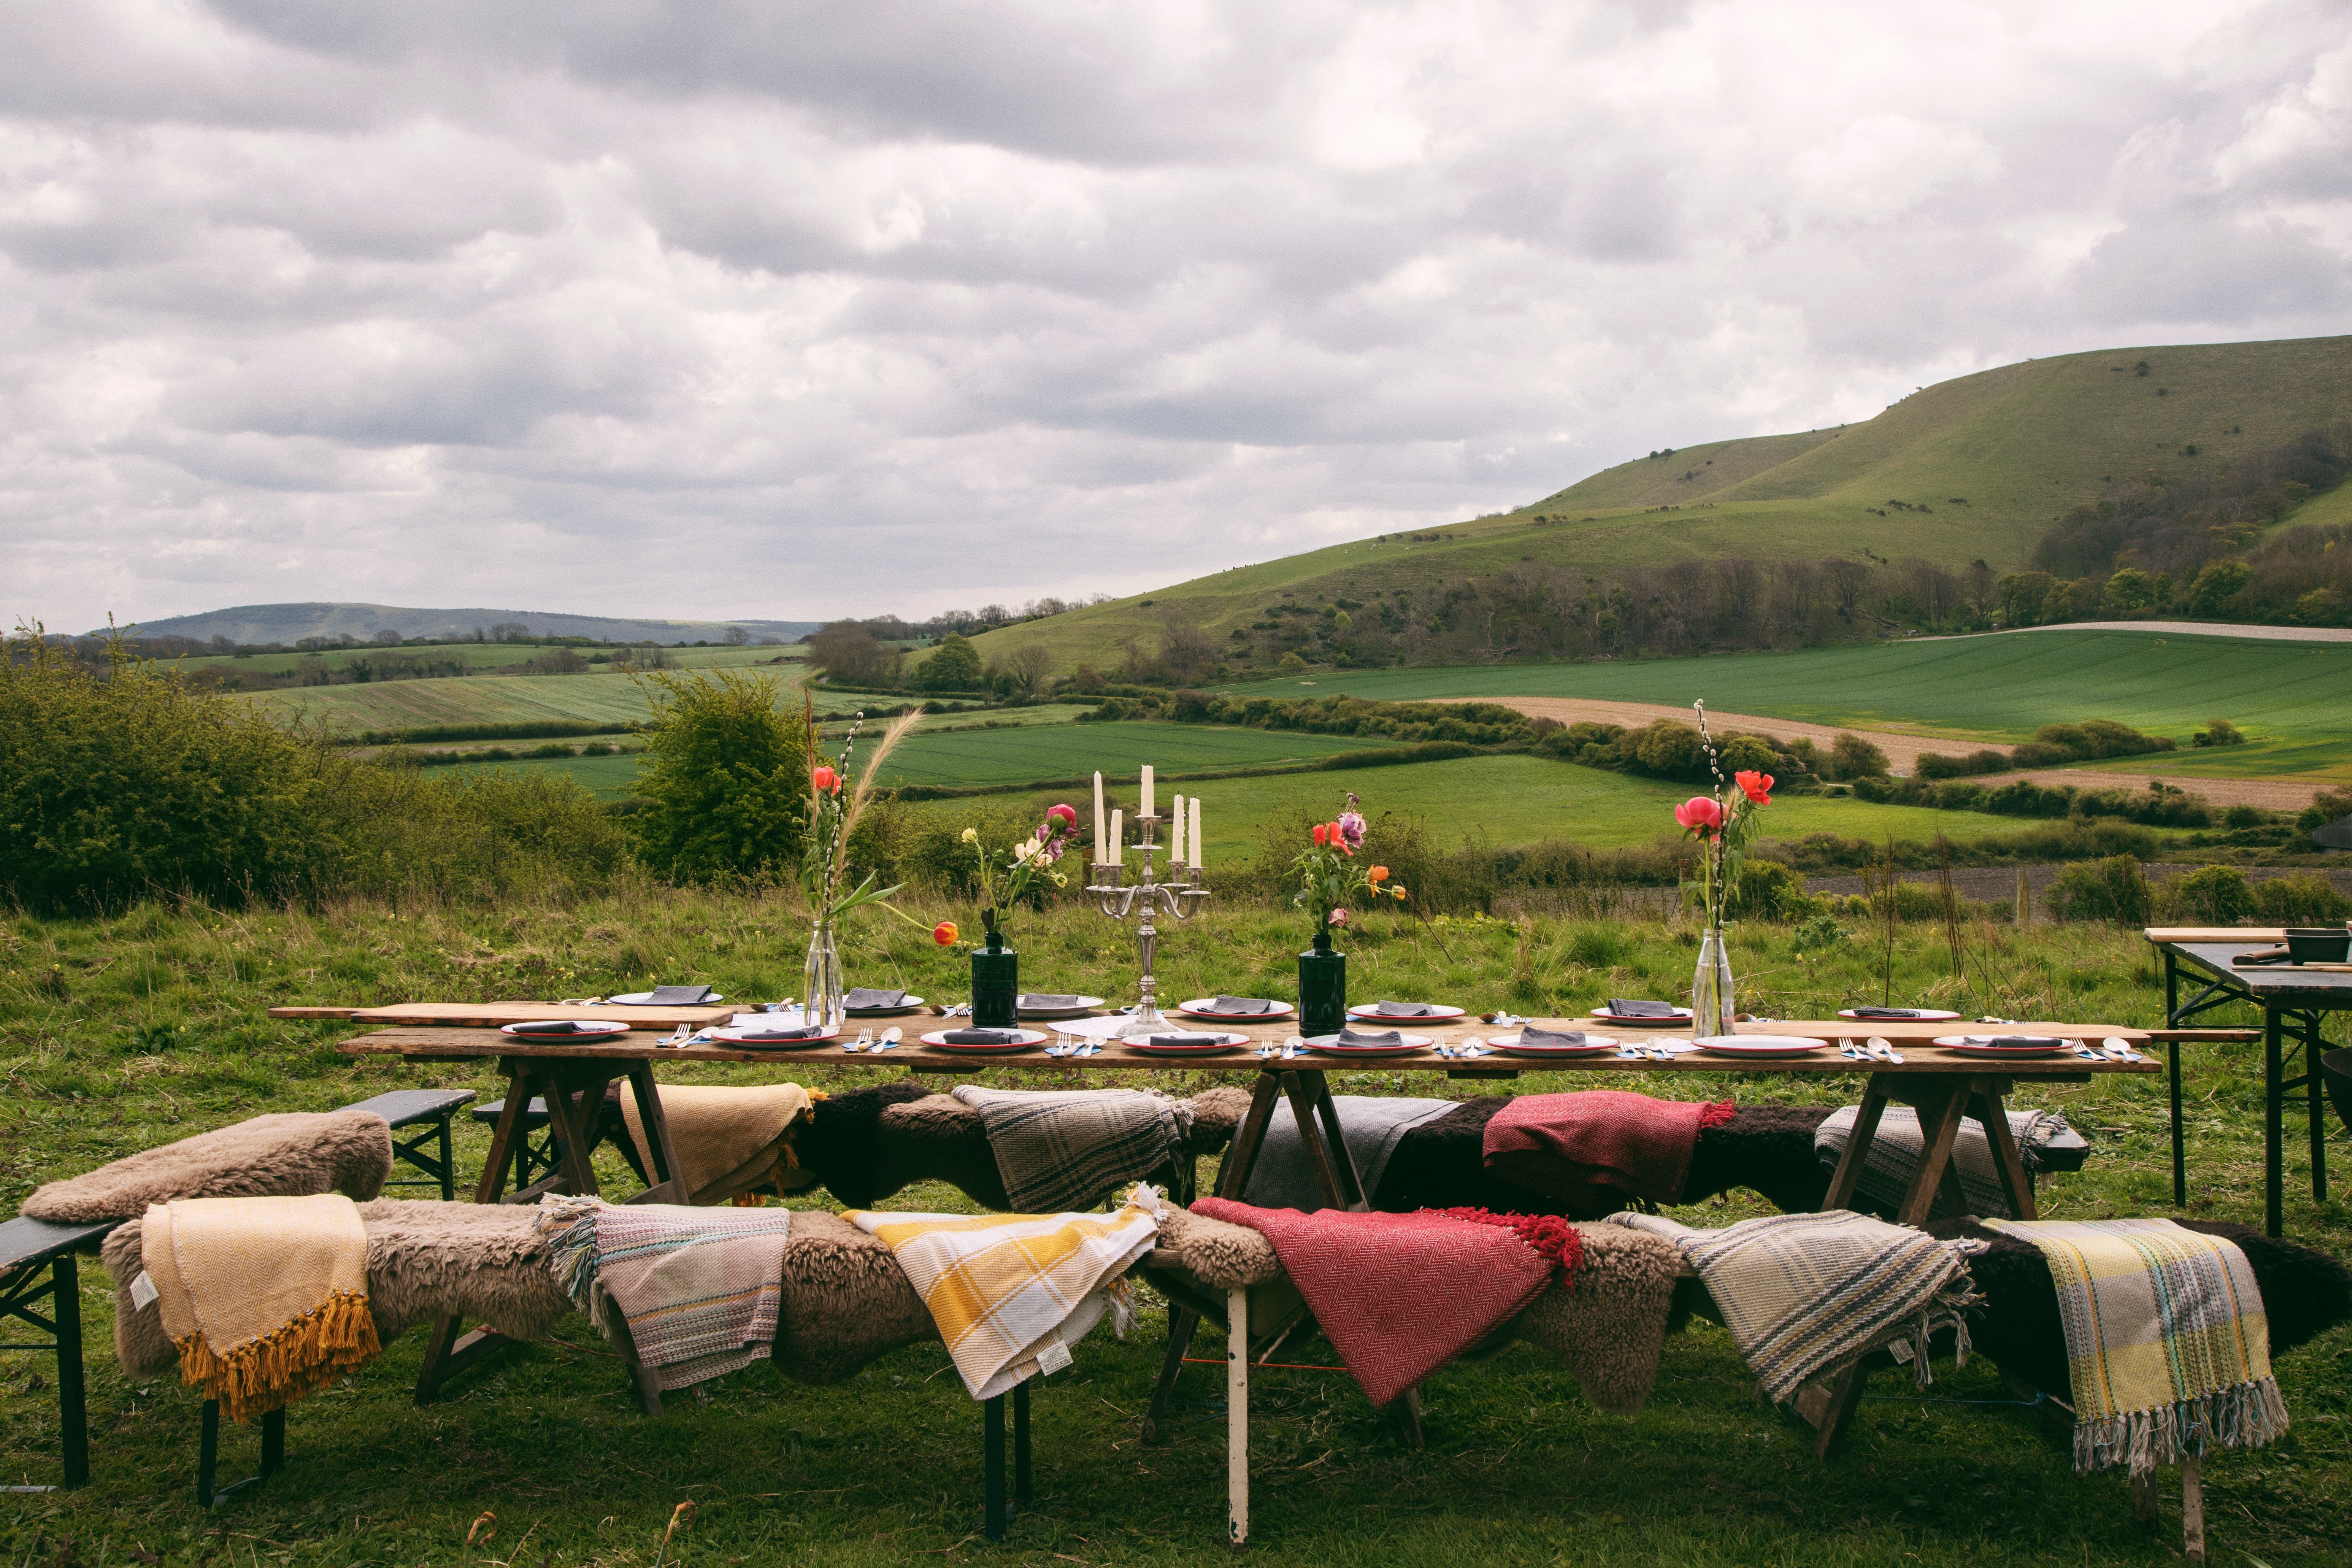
pixel 606 697
pixel 2317 760
pixel 1996 688
pixel 154 1026
pixel 1075 751
pixel 483 656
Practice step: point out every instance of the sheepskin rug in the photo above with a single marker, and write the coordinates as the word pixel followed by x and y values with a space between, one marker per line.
pixel 287 1154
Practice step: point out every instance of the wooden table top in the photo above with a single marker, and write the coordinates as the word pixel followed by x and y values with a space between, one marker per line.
pixel 2252 936
pixel 1909 1038
pixel 492 1015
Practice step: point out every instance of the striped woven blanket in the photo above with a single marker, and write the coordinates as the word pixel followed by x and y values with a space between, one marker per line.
pixel 2166 1338
pixel 1069 1148
pixel 265 1299
pixel 1804 1294
pixel 1894 1151
pixel 695 1289
pixel 1011 1294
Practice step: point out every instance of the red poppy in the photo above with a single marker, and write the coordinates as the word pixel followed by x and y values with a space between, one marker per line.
pixel 1758 785
pixel 825 779
pixel 1322 832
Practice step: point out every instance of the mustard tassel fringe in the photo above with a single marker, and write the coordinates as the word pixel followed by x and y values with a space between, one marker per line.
pixel 333 1338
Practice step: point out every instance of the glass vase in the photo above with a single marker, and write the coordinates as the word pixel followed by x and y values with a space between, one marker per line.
pixel 1322 988
pixel 1711 1005
pixel 995 984
pixel 821 987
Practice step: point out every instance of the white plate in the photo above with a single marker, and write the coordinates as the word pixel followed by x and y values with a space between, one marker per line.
pixel 745 1035
pixel 562 1029
pixel 1226 1041
pixel 1201 1008
pixel 1763 1047
pixel 1681 1015
pixel 1084 1005
pixel 1594 1045
pixel 1330 1046
pixel 911 1005
pixel 645 999
pixel 1437 1015
pixel 1923 1016
pixel 1979 1047
pixel 1029 1040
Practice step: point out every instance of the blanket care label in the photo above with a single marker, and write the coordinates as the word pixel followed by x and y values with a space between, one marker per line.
pixel 142 1292
pixel 1053 1356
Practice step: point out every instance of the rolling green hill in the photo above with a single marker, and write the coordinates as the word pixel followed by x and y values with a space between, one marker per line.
pixel 1987 462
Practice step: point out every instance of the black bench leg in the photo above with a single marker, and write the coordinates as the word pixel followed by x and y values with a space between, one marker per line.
pixel 273 1455
pixel 1021 1492
pixel 992 1443
pixel 208 1453
pixel 73 1416
pixel 449 1162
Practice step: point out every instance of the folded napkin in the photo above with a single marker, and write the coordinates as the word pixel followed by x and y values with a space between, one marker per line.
pixel 1243 1005
pixel 566 1026
pixel 2015 1040
pixel 696 1289
pixel 750 1037
pixel 1186 1039
pixel 265 1298
pixel 1404 1009
pixel 1370 1038
pixel 1531 1036
pixel 1628 1008
pixel 1011 1294
pixel 1039 1001
pixel 864 996
pixel 678 995
pixel 981 1037
pixel 1889 1012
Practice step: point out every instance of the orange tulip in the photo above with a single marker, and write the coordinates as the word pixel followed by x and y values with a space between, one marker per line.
pixel 944 933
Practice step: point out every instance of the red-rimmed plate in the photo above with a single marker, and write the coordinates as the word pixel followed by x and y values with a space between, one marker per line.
pixel 1437 1013
pixel 1680 1020
pixel 1761 1048
pixel 565 1029
pixel 1593 1046
pixel 1910 1016
pixel 1214 1043
pixel 2005 1047
pixel 1330 1046
pixel 1205 1007
pixel 750 1037
pixel 1029 1039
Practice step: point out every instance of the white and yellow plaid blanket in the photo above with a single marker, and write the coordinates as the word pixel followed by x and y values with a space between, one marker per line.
pixel 1011 1294
pixel 2167 1340
pixel 265 1299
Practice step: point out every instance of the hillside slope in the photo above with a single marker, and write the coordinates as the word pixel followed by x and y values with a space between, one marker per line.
pixel 290 623
pixel 1980 466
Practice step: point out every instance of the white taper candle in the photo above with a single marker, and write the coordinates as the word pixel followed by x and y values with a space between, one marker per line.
pixel 1144 810
pixel 1117 832
pixel 1196 832
pixel 1099 823
pixel 1176 835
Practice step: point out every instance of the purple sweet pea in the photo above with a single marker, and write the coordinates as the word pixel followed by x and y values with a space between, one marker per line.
pixel 1352 828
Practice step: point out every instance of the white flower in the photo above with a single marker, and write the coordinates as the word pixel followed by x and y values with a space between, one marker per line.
pixel 1025 849
pixel 972 836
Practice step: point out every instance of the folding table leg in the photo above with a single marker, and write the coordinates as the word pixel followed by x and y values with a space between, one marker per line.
pixel 1940 1129
pixel 451 1348
pixel 2315 1106
pixel 1857 1145
pixel 2192 1508
pixel 2172 1021
pixel 1237 1479
pixel 2007 1163
pixel 1182 1321
pixel 2273 1126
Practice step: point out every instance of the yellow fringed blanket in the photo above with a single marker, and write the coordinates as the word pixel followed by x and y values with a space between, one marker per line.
pixel 265 1299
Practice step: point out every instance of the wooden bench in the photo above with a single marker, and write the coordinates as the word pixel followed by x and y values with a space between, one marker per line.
pixel 36 1262
pixel 430 1109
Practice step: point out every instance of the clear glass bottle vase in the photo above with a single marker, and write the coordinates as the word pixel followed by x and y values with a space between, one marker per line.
pixel 821 987
pixel 1711 1004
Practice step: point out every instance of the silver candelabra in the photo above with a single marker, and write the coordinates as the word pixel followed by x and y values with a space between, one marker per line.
pixel 1119 898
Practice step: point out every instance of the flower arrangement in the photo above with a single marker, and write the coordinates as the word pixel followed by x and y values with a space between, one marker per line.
pixel 1330 874
pixel 1722 823
pixel 1006 875
pixel 835 805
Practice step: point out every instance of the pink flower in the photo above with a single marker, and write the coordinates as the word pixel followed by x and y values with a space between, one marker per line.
pixel 1700 814
pixel 1351 827
pixel 1339 917
pixel 1067 815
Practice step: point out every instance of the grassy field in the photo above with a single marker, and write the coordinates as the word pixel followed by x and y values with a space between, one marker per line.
pixel 604 697
pixel 1987 687
pixel 1074 751
pixel 156 1028
pixel 1995 457
pixel 484 656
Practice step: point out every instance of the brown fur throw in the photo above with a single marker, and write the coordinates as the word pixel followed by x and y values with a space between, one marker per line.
pixel 847 1301
pixel 290 1155
pixel 1610 1328
pixel 1216 1113
pixel 1213 1251
pixel 484 1262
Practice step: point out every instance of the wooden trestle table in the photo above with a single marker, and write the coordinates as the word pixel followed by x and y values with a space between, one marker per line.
pixel 1945 1087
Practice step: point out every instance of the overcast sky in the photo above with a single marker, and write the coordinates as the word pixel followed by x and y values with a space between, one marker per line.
pixel 791 311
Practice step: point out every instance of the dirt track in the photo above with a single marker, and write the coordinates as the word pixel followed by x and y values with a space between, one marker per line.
pixel 1902 750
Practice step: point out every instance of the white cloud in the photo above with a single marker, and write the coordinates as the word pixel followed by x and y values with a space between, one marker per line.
pixel 743 306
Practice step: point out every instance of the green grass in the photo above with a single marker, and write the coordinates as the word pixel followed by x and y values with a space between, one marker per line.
pixel 605 698
pixel 1990 688
pixel 1074 751
pixel 162 1032
pixel 480 655
pixel 2317 760
pixel 2021 444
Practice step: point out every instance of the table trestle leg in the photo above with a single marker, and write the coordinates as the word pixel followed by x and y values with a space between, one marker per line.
pixel 1237 1478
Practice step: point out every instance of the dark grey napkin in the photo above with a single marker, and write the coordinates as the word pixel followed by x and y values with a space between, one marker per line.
pixel 982 1036
pixel 811 1032
pixel 1243 1005
pixel 1039 1001
pixel 1187 1039
pixel 1404 1009
pixel 865 997
pixel 677 996
pixel 1370 1038
pixel 2023 1040
pixel 1890 1012
pixel 1625 1009
pixel 564 1027
pixel 1531 1036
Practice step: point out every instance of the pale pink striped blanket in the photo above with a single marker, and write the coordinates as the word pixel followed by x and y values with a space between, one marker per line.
pixel 695 1289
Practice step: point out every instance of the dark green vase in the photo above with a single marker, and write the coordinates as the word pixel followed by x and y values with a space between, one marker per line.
pixel 1322 988
pixel 995 984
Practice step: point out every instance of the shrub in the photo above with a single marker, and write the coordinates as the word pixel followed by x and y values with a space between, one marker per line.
pixel 405 834
pixel 725 781
pixel 1852 757
pixel 2303 898
pixel 2216 895
pixel 2218 733
pixel 1821 932
pixel 2245 817
pixel 2327 805
pixel 2113 889
pixel 1770 891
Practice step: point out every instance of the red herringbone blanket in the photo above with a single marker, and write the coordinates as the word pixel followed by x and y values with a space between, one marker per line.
pixel 1398 1294
pixel 1563 1145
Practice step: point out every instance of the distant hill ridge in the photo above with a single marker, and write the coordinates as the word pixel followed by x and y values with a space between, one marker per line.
pixel 1969 470
pixel 290 623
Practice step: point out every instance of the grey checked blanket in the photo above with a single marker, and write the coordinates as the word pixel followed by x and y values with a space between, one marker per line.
pixel 1804 1294
pixel 1370 1124
pixel 1064 1150
pixel 1896 1149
